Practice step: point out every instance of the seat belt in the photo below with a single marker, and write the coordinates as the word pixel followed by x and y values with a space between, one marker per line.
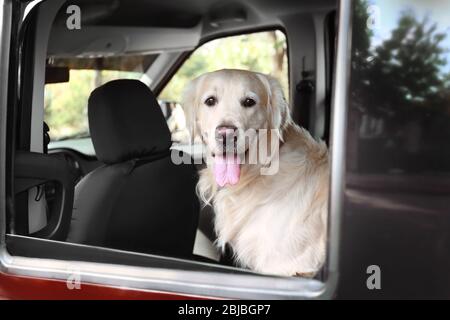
pixel 46 139
pixel 304 98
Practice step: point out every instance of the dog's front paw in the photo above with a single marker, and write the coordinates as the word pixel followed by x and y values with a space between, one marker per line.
pixel 308 275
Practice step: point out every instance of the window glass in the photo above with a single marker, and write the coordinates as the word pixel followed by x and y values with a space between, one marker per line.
pixel 400 87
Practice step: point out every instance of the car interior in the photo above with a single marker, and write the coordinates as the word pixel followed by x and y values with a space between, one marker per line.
pixel 106 179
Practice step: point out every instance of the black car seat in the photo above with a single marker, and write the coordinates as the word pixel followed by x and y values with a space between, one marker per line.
pixel 139 200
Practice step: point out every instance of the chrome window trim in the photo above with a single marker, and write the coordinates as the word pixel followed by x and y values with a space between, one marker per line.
pixel 209 284
pixel 341 83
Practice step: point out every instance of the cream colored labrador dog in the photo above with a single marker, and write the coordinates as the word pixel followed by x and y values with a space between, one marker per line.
pixel 274 220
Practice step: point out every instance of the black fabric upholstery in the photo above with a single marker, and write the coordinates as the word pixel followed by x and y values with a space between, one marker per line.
pixel 126 122
pixel 145 203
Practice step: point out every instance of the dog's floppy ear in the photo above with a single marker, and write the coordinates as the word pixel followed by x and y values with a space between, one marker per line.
pixel 189 102
pixel 278 108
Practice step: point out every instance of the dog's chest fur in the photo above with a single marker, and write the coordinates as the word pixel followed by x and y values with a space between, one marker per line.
pixel 276 224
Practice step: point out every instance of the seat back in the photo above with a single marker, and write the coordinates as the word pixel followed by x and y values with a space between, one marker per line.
pixel 139 200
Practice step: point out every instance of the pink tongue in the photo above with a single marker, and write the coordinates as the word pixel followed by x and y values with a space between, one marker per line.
pixel 226 170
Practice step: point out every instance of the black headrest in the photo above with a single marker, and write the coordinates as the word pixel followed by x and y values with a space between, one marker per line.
pixel 126 122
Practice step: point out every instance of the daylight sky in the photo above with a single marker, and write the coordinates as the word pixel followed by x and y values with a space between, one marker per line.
pixel 438 11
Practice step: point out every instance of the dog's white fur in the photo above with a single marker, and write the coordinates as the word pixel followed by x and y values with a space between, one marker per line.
pixel 276 224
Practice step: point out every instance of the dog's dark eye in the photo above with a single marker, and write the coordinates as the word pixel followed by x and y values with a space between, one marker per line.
pixel 211 101
pixel 248 102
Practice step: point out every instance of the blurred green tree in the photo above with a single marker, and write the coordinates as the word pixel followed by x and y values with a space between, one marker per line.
pixel 407 67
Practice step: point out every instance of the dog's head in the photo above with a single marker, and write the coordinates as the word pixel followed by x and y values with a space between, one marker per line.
pixel 222 107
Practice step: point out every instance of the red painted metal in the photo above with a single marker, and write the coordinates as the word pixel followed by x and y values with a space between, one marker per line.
pixel 28 288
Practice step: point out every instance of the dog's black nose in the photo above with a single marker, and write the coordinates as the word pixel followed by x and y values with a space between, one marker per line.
pixel 224 132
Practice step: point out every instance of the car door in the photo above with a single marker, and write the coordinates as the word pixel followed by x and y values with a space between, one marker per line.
pixel 395 220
